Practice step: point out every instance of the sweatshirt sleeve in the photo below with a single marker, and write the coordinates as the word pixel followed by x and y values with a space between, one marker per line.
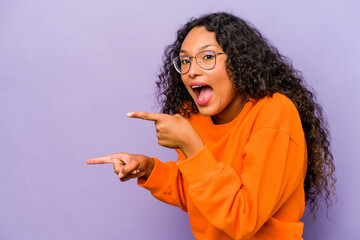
pixel 166 184
pixel 240 203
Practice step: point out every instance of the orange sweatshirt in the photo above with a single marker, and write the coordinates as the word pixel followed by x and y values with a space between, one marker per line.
pixel 248 180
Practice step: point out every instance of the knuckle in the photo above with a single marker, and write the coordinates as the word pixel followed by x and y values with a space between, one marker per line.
pixel 160 127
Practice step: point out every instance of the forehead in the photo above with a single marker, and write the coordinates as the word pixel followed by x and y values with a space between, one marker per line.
pixel 197 38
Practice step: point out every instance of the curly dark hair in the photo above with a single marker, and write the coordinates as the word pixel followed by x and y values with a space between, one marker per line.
pixel 257 70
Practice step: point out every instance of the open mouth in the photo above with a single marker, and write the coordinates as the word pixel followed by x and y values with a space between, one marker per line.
pixel 203 92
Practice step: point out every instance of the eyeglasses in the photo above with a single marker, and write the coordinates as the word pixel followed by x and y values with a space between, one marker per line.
pixel 206 60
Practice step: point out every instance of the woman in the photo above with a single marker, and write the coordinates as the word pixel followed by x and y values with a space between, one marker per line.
pixel 253 145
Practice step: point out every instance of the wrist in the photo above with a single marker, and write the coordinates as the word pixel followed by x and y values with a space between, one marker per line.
pixel 192 147
pixel 149 167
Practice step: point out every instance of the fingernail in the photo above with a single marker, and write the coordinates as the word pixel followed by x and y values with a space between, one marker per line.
pixel 129 114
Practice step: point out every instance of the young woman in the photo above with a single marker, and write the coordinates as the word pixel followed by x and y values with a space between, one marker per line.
pixel 253 145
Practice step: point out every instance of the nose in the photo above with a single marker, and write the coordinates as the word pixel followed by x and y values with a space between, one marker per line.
pixel 195 69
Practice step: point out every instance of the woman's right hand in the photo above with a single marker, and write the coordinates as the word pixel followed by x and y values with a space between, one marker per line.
pixel 126 165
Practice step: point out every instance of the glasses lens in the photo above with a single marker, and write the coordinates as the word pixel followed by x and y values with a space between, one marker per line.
pixel 206 59
pixel 182 64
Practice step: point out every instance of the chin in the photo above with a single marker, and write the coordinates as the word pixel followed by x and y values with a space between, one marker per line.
pixel 207 111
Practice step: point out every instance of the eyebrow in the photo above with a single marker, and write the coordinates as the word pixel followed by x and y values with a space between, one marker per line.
pixel 201 48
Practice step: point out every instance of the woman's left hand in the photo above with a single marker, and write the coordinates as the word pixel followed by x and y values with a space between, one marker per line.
pixel 173 131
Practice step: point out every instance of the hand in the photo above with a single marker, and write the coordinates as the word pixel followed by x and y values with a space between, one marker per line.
pixel 127 165
pixel 173 132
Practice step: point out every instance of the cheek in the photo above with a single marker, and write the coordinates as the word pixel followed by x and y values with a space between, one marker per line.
pixel 225 85
pixel 186 85
pixel 184 81
pixel 227 91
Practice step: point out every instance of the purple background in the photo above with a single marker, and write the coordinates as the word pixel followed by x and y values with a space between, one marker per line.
pixel 71 70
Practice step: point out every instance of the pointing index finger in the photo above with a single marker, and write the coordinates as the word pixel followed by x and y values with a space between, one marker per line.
pixel 100 160
pixel 145 115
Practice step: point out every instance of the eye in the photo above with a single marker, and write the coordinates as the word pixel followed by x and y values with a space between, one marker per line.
pixel 184 61
pixel 208 57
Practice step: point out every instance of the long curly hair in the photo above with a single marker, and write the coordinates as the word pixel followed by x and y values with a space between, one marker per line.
pixel 257 70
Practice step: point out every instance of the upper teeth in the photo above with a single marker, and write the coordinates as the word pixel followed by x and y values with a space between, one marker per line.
pixel 195 86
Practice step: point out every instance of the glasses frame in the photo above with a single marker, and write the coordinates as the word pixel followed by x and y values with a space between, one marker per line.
pixel 196 60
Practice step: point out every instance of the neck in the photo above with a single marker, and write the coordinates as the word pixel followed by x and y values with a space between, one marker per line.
pixel 231 111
